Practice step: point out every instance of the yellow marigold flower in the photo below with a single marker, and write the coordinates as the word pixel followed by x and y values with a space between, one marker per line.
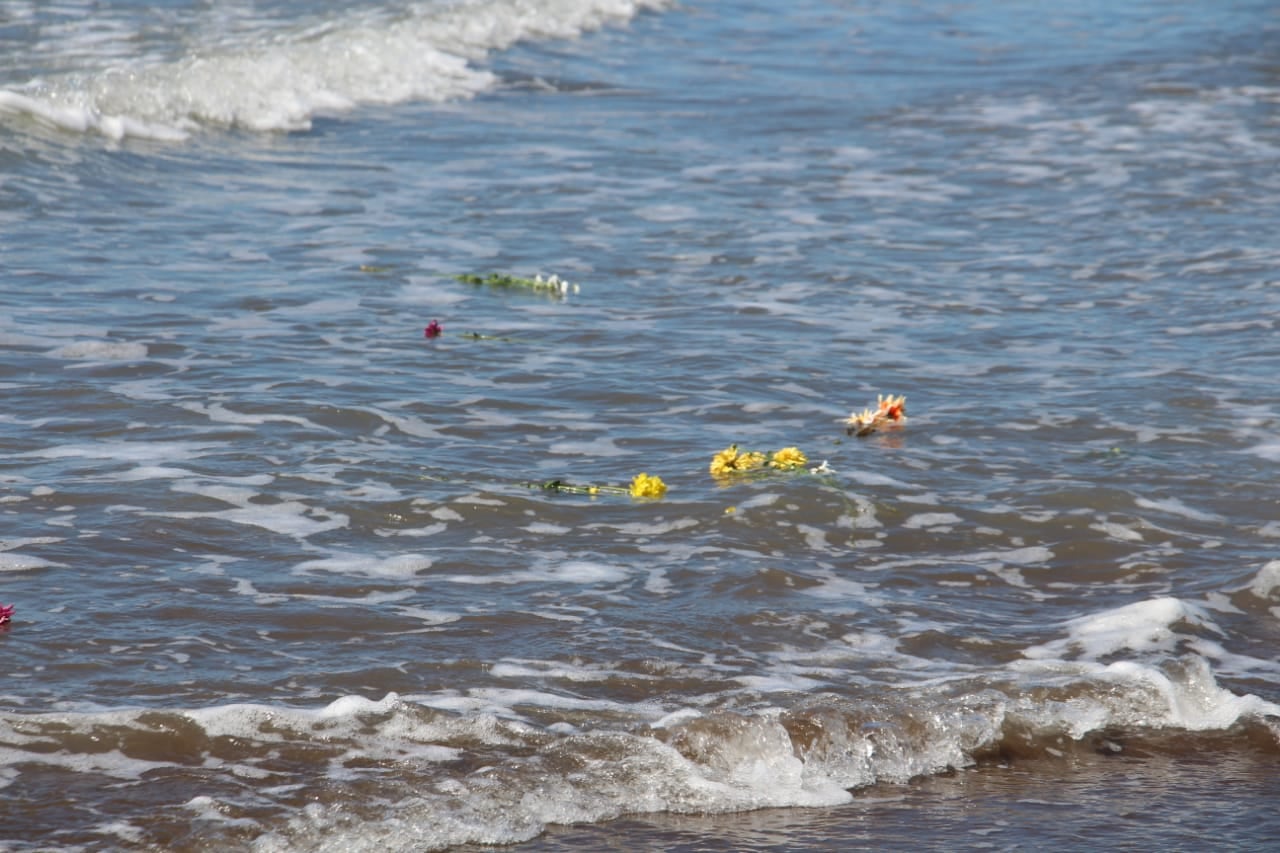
pixel 725 462
pixel 788 459
pixel 644 486
pixel 753 459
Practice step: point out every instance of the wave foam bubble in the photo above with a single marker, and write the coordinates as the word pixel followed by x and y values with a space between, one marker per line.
pixel 1142 626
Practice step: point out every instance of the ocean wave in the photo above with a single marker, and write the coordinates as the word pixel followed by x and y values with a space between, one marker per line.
pixel 432 771
pixel 282 80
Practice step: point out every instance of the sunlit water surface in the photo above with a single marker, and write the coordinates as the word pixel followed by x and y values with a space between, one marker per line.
pixel 284 577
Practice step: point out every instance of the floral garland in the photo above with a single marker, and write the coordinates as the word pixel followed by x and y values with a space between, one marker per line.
pixel 435 330
pixel 554 284
pixel 732 461
pixel 643 486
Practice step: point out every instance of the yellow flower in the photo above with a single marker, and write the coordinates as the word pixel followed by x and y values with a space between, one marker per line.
pixel 732 461
pixel 644 486
pixel 725 461
pixel 788 459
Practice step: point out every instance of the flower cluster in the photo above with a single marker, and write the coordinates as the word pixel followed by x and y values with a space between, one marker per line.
pixel 433 330
pixel 731 461
pixel 554 284
pixel 6 613
pixel 645 486
pixel 890 411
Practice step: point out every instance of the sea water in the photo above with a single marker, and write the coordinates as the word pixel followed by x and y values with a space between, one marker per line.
pixel 286 572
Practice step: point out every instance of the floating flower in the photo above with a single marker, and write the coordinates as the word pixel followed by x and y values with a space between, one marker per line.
pixel 731 460
pixel 788 459
pixel 723 462
pixel 644 486
pixel 433 330
pixel 6 613
pixel 894 408
pixel 889 410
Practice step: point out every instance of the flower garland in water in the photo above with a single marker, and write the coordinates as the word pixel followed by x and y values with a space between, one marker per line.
pixel 435 330
pixel 731 461
pixel 554 285
pixel 643 486
pixel 6 613
pixel 890 411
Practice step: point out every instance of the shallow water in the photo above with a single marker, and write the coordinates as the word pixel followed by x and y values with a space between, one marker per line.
pixel 283 573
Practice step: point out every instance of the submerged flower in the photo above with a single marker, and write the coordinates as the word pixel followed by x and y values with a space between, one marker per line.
pixel 889 410
pixel 644 486
pixel 788 459
pixel 6 612
pixel 433 330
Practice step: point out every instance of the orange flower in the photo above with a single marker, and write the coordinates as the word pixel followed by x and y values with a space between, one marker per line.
pixel 889 409
pixel 893 408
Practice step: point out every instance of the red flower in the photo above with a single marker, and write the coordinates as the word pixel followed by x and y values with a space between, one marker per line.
pixel 433 330
pixel 6 611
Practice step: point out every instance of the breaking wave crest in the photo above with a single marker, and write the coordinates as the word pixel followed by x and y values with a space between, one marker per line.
pixel 282 80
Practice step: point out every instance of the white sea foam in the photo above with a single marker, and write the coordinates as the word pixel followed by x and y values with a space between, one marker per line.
pixel 1176 507
pixel 1267 581
pixel 1188 698
pixel 143 452
pixel 931 520
pixel 1115 530
pixel 10 544
pixel 289 518
pixel 153 472
pixel 576 572
pixel 399 566
pixel 600 447
pixel 219 413
pixel 1143 627
pixel 112 763
pixel 1269 450
pixel 658 583
pixel 11 562
pixel 99 350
